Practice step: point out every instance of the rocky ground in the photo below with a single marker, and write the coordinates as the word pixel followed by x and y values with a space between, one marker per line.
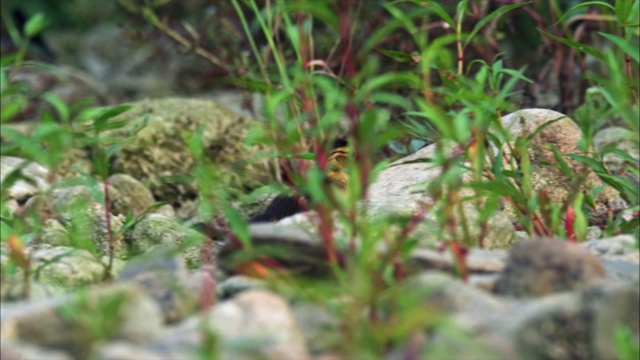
pixel 524 298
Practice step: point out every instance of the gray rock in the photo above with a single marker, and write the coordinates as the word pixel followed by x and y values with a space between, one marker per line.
pixel 155 229
pixel 263 319
pixel 33 183
pixel 34 172
pixel 53 233
pixel 478 260
pixel 443 292
pixel 255 324
pixel 12 289
pixel 18 350
pixel 128 195
pixel 67 267
pixel 570 325
pixel 236 284
pixel 542 266
pixel 401 188
pixel 621 270
pixel 161 273
pixel 121 350
pixel 160 157
pixel 593 233
pixel 320 328
pixel 75 322
pixel 622 248
pixel 86 222
pixel 605 140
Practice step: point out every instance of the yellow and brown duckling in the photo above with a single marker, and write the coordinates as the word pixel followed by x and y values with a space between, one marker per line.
pixel 283 205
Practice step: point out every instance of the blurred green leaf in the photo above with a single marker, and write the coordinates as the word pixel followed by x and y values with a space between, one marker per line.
pixel 592 163
pixel 578 46
pixel 629 47
pixel 436 8
pixel 502 188
pixel 11 107
pixel 35 25
pixel 580 221
pixel 3 80
pixel 5 229
pixel 581 5
pixel 626 343
pixel 318 9
pixel 501 10
pixel 561 163
pixel 623 10
pixel 238 224
pixel 624 155
pixel 101 123
pixel 395 55
pixel 58 104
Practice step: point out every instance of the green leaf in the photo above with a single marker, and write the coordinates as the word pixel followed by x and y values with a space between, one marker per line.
pixel 592 163
pixel 3 80
pixel 624 155
pixel 238 224
pixel 630 48
pixel 12 107
pixel 130 223
pixel 622 9
pixel 317 9
pixel 618 184
pixel 626 343
pixel 561 163
pixel 580 221
pixel 395 55
pixel 403 79
pixel 498 12
pixel 501 188
pixel 517 74
pixel 58 104
pixel 581 5
pixel 35 24
pixel 525 166
pixel 578 46
pixel 438 10
pixel 5 230
pixel 101 122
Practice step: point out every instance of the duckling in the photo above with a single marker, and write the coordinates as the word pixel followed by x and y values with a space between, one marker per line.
pixel 337 162
pixel 283 206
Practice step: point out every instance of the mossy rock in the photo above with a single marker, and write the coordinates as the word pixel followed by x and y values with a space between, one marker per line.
pixel 158 154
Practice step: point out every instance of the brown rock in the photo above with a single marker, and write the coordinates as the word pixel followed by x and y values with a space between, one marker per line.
pixel 543 266
pixel 564 134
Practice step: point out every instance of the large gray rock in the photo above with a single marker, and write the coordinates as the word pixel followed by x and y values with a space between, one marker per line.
pixel 68 267
pixel 18 350
pixel 542 266
pixel 57 268
pixel 255 324
pixel 74 323
pixel 402 188
pixel 79 211
pixel 622 247
pixel 162 274
pixel 571 325
pixel 129 195
pixel 159 230
pixel 159 154
pixel 618 138
pixel 22 190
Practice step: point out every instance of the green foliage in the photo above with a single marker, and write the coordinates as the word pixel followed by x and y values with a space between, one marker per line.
pixel 627 347
pixel 423 75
